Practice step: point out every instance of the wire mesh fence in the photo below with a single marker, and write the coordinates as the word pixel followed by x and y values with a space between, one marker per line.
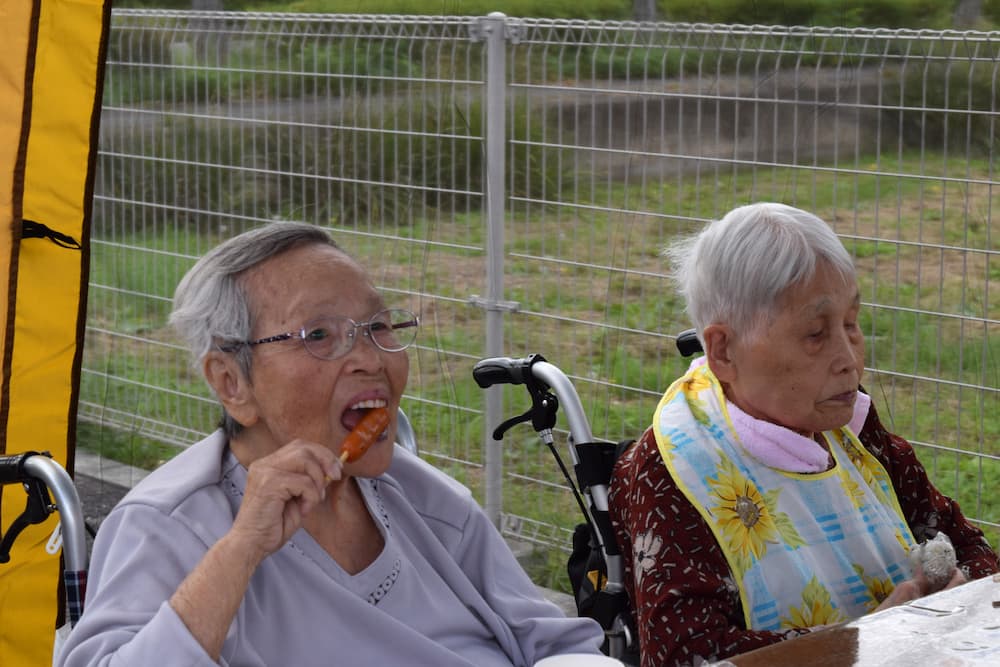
pixel 614 139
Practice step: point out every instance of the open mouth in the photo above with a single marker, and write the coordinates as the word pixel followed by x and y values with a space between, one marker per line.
pixel 355 412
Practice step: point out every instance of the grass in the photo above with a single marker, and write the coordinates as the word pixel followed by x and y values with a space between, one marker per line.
pixel 123 446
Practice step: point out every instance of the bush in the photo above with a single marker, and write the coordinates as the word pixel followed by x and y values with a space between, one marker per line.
pixel 778 12
pixel 947 102
pixel 885 13
pixel 991 11
pixel 868 13
pixel 562 9
pixel 334 169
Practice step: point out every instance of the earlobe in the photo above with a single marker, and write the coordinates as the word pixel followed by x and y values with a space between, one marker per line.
pixel 231 386
pixel 719 351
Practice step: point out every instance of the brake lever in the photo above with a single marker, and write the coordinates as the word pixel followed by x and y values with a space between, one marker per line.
pixel 37 509
pixel 541 414
pixel 502 429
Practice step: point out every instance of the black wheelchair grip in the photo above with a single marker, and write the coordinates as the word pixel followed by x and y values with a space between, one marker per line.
pixel 498 370
pixel 688 343
pixel 12 468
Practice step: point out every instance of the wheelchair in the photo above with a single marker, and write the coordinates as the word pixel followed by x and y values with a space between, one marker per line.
pixel 39 475
pixel 595 567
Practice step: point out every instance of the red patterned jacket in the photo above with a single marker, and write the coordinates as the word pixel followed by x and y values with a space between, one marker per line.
pixel 688 608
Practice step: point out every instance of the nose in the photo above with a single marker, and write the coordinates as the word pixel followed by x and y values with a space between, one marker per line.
pixel 849 350
pixel 365 355
pixel 366 332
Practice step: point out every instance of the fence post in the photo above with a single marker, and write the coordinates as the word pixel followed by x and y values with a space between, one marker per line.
pixel 493 30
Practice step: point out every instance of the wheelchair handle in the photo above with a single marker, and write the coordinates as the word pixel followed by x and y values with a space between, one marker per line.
pixel 687 343
pixel 39 467
pixel 68 503
pixel 12 468
pixel 504 370
pixel 533 370
pixel 40 475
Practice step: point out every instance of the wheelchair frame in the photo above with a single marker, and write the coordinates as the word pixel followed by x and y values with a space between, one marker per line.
pixel 39 474
pixel 593 462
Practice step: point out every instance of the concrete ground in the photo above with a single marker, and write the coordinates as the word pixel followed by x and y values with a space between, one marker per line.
pixel 101 483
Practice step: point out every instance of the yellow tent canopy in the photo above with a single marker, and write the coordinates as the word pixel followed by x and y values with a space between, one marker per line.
pixel 50 80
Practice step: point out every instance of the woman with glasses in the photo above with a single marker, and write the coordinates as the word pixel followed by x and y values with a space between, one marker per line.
pixel 257 546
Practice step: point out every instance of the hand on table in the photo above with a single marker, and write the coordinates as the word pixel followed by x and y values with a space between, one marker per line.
pixel 916 588
pixel 927 585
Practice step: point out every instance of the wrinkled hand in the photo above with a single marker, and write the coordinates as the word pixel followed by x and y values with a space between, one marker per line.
pixel 282 488
pixel 928 585
pixel 913 589
pixel 905 591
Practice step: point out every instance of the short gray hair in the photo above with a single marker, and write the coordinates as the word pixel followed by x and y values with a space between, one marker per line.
pixel 211 306
pixel 737 268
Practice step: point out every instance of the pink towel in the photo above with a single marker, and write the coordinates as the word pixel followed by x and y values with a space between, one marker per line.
pixel 782 448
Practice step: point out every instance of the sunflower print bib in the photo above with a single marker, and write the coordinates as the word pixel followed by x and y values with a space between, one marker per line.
pixel 804 549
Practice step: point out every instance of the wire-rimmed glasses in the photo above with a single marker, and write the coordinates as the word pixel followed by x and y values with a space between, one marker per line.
pixel 333 336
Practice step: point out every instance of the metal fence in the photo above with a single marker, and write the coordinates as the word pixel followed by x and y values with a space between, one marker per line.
pixel 513 180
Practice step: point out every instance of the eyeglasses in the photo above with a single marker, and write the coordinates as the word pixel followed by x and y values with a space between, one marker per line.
pixel 332 337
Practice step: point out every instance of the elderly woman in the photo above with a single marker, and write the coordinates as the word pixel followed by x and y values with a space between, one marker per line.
pixel 767 499
pixel 257 546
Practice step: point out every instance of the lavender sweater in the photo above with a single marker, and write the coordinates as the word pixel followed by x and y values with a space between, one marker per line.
pixel 445 590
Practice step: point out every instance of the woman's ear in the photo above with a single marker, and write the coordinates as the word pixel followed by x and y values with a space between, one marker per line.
pixel 719 342
pixel 231 386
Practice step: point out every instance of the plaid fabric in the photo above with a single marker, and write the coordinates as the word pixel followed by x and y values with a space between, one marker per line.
pixel 76 590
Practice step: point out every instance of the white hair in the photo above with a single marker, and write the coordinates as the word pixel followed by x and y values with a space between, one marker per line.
pixel 737 268
pixel 211 306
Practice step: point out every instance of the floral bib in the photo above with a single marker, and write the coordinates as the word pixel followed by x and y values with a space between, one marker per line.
pixel 804 549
